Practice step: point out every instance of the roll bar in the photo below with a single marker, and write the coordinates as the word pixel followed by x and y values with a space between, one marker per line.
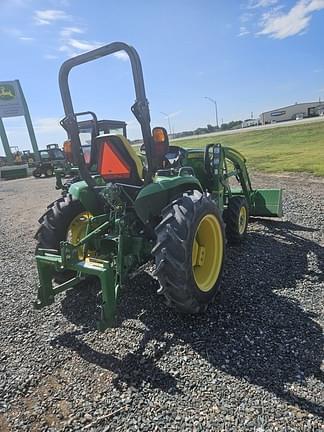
pixel 83 113
pixel 140 108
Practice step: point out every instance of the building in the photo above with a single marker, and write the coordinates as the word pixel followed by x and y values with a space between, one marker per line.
pixel 293 112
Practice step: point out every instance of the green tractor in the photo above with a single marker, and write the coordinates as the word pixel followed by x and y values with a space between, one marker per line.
pixel 51 158
pixel 170 203
pixel 88 131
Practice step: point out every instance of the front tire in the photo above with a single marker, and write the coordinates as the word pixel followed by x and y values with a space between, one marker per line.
pixel 236 218
pixel 49 172
pixel 37 173
pixel 189 252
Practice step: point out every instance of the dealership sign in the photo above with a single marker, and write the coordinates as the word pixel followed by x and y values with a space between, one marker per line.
pixel 11 104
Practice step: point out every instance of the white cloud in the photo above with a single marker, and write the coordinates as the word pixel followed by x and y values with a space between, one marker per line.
pixel 243 31
pixel 41 124
pixel 47 124
pixel 121 55
pixel 279 25
pixel 73 47
pixel 83 45
pixel 45 17
pixel 26 38
pixel 47 129
pixel 254 4
pixel 16 33
pixel 67 32
pixel 246 17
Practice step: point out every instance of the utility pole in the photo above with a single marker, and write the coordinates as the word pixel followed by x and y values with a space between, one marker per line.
pixel 169 122
pixel 216 110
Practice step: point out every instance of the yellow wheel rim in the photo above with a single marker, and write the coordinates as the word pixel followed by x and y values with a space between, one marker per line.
pixel 207 252
pixel 77 230
pixel 242 220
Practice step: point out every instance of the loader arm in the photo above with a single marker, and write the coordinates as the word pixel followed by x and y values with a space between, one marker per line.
pixel 262 202
pixel 238 161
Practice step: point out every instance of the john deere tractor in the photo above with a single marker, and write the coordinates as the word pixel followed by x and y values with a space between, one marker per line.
pixel 50 159
pixel 173 204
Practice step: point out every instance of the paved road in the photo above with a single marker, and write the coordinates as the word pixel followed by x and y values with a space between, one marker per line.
pixel 255 128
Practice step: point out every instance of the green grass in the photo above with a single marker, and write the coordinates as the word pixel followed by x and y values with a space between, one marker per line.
pixel 294 148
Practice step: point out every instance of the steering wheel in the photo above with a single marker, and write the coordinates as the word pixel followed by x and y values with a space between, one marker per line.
pixel 174 155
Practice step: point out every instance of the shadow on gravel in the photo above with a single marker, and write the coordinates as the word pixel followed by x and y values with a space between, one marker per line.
pixel 132 370
pixel 81 307
pixel 254 333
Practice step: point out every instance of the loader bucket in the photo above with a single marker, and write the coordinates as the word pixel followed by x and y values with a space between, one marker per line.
pixel 267 202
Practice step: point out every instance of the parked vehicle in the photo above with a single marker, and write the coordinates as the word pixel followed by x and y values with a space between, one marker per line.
pixel 50 159
pixel 177 208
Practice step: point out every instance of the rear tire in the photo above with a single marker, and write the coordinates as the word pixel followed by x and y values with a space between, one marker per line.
pixel 175 252
pixel 236 218
pixel 55 225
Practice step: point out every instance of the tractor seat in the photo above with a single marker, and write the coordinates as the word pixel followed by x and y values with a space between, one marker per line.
pixel 117 160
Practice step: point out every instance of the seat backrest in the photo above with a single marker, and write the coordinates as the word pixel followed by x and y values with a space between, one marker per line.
pixel 117 160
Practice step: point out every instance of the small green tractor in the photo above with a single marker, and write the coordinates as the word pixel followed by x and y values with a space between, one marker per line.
pixel 172 204
pixel 51 158
pixel 88 131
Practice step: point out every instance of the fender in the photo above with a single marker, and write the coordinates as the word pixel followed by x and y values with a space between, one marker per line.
pixel 81 191
pixel 155 196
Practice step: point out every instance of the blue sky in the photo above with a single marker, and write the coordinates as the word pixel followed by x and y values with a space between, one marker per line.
pixel 250 55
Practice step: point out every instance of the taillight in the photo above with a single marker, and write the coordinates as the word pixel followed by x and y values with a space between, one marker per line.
pixel 67 148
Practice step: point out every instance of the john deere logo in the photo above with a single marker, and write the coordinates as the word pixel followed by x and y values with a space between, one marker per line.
pixel 7 92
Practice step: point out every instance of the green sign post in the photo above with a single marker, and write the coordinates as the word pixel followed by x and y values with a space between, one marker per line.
pixel 5 141
pixel 13 104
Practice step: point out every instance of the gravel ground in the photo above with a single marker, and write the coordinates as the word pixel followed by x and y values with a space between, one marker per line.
pixel 252 363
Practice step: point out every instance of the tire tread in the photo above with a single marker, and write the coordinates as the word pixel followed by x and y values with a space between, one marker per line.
pixel 173 243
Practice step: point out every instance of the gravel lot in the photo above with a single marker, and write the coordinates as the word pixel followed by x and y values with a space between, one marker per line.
pixel 252 363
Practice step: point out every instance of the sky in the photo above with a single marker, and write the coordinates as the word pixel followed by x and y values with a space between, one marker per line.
pixel 249 55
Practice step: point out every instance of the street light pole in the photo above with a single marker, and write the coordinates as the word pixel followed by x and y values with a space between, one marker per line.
pixel 169 122
pixel 216 111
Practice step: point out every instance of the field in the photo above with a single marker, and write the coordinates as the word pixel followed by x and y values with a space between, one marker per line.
pixel 294 148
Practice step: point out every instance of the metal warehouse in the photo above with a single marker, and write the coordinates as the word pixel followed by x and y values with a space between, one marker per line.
pixel 293 112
